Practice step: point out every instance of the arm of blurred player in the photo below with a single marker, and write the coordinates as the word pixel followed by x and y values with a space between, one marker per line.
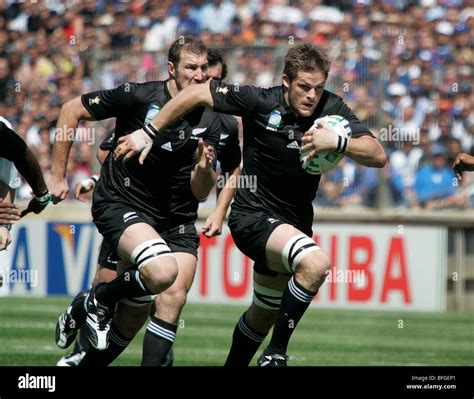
pixel 213 224
pixel 5 238
pixel 8 215
pixel 463 162
pixel 71 114
pixel 15 149
pixel 203 176
pixel 141 140
pixel 9 212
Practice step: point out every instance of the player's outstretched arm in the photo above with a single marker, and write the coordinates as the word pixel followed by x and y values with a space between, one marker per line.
pixel 463 162
pixel 141 140
pixel 8 214
pixel 187 99
pixel 367 151
pixel 71 114
pixel 34 176
pixel 15 149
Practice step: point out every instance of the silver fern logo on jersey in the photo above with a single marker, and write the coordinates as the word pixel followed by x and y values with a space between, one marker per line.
pixel 153 110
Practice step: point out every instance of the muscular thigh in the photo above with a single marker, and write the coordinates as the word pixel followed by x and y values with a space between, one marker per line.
pixel 133 236
pixel 285 246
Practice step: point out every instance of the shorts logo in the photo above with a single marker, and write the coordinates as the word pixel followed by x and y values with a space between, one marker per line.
pixel 167 146
pixel 129 216
pixel 95 100
pixel 198 132
pixel 223 139
pixel 272 220
pixel 114 262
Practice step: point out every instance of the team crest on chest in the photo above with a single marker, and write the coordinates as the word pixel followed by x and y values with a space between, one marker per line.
pixel 274 121
pixel 153 110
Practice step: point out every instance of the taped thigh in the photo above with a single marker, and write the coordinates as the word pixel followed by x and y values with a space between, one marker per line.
pixel 148 251
pixel 296 249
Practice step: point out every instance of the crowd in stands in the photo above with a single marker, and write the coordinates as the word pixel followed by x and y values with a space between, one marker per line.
pixel 404 66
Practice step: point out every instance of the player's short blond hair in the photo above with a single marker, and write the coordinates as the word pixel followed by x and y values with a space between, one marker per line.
pixel 307 58
pixel 185 43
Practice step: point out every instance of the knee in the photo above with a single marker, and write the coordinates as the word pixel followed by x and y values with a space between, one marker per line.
pixel 159 275
pixel 175 297
pixel 157 266
pixel 316 267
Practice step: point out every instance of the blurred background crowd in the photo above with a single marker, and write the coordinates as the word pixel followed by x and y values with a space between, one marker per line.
pixel 405 67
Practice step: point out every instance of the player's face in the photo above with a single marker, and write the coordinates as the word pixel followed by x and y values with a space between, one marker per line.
pixel 215 72
pixel 304 92
pixel 192 69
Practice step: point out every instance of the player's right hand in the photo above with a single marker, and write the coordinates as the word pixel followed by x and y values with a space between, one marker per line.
pixel 9 213
pixel 58 187
pixel 206 155
pixel 83 187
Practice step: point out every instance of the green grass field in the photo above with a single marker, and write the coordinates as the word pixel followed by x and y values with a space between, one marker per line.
pixel 323 338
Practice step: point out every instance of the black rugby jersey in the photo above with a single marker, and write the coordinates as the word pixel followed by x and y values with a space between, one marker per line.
pixel 147 186
pixel 184 204
pixel 272 138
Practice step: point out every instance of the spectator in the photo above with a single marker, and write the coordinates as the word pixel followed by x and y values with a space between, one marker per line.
pixel 435 186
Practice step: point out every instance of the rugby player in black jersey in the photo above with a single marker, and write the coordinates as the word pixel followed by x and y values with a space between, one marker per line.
pixel 162 327
pixel 273 225
pixel 183 242
pixel 132 202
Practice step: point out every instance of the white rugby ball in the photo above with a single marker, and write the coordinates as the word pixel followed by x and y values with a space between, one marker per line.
pixel 328 159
